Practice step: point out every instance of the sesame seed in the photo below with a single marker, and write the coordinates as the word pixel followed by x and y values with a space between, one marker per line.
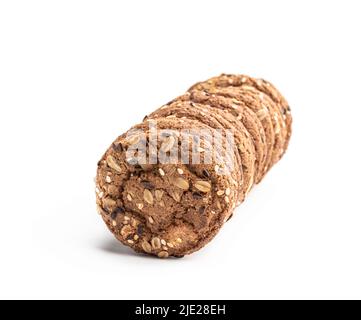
pixel 168 144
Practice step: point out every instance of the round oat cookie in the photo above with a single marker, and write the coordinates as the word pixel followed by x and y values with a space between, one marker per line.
pixel 162 209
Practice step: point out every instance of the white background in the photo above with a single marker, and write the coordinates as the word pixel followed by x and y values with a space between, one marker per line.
pixel 76 74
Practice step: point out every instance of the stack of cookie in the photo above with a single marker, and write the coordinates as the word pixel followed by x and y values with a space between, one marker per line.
pixel 159 202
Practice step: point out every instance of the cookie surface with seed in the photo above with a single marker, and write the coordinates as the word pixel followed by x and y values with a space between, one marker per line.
pixel 166 206
pixel 175 207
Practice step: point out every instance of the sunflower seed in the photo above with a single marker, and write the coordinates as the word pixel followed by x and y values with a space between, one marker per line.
pixel 170 245
pixel 150 219
pixel 180 171
pixel 168 144
pixel 129 197
pixel 148 197
pixel 159 194
pixel 162 204
pixel 113 164
pixel 130 241
pixel 163 242
pixel 133 139
pixel 203 186
pixel 181 183
pixel 175 195
pixel 156 243
pixel 161 172
pixel 146 247
pixel 163 254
